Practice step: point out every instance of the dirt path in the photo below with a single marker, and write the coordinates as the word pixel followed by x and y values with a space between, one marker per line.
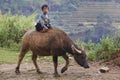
pixel 75 72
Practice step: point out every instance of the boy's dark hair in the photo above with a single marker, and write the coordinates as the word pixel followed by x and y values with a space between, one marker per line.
pixel 45 5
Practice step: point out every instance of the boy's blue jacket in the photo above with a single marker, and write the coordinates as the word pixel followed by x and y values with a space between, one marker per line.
pixel 44 20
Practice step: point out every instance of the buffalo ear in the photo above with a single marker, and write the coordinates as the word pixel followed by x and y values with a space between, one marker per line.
pixel 75 50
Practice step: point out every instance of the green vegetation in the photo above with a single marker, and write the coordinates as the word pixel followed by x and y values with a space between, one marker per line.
pixel 12 29
pixel 18 15
pixel 7 56
pixel 69 15
pixel 11 56
pixel 103 50
pixel 100 51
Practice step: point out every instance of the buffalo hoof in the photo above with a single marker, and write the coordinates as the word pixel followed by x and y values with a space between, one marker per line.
pixel 39 72
pixel 56 75
pixel 63 69
pixel 17 71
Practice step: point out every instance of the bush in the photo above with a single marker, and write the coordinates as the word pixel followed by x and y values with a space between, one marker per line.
pixel 12 27
pixel 104 49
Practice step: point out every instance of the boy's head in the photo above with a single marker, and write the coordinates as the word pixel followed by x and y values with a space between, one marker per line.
pixel 45 8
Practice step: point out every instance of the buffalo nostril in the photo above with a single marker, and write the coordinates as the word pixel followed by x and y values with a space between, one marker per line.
pixel 88 67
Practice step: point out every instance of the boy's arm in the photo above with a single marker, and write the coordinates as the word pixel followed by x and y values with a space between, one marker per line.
pixel 42 22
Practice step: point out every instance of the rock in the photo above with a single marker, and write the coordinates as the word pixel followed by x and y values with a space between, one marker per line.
pixel 104 69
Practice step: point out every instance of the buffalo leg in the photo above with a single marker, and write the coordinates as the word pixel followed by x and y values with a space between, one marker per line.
pixel 21 56
pixel 55 61
pixel 34 58
pixel 66 65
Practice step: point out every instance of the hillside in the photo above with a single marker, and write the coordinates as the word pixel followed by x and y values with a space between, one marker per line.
pixel 75 17
pixel 85 23
pixel 88 12
pixel 27 7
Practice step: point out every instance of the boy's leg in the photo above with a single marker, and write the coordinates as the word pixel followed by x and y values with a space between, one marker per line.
pixel 38 27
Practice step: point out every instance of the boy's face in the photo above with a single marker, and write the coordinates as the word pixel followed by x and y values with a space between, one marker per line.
pixel 45 10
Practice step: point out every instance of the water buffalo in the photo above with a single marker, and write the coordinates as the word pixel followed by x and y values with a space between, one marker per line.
pixel 51 43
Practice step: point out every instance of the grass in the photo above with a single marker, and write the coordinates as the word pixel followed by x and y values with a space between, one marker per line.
pixel 7 56
pixel 11 56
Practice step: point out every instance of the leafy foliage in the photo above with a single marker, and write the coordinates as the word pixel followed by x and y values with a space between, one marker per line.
pixel 12 28
pixel 104 49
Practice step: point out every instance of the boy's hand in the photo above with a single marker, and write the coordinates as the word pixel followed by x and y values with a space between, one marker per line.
pixel 46 20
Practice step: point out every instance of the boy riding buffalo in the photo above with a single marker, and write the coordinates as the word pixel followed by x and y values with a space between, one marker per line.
pixel 43 23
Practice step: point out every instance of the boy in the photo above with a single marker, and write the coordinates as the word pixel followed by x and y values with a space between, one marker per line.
pixel 44 22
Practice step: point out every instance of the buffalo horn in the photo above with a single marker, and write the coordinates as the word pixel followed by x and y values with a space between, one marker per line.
pixel 76 49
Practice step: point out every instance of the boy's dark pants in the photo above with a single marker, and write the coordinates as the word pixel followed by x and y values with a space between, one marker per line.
pixel 39 27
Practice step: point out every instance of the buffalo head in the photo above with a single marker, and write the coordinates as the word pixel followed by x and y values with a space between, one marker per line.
pixel 80 56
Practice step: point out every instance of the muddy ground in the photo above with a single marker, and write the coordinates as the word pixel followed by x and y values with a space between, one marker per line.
pixel 74 72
